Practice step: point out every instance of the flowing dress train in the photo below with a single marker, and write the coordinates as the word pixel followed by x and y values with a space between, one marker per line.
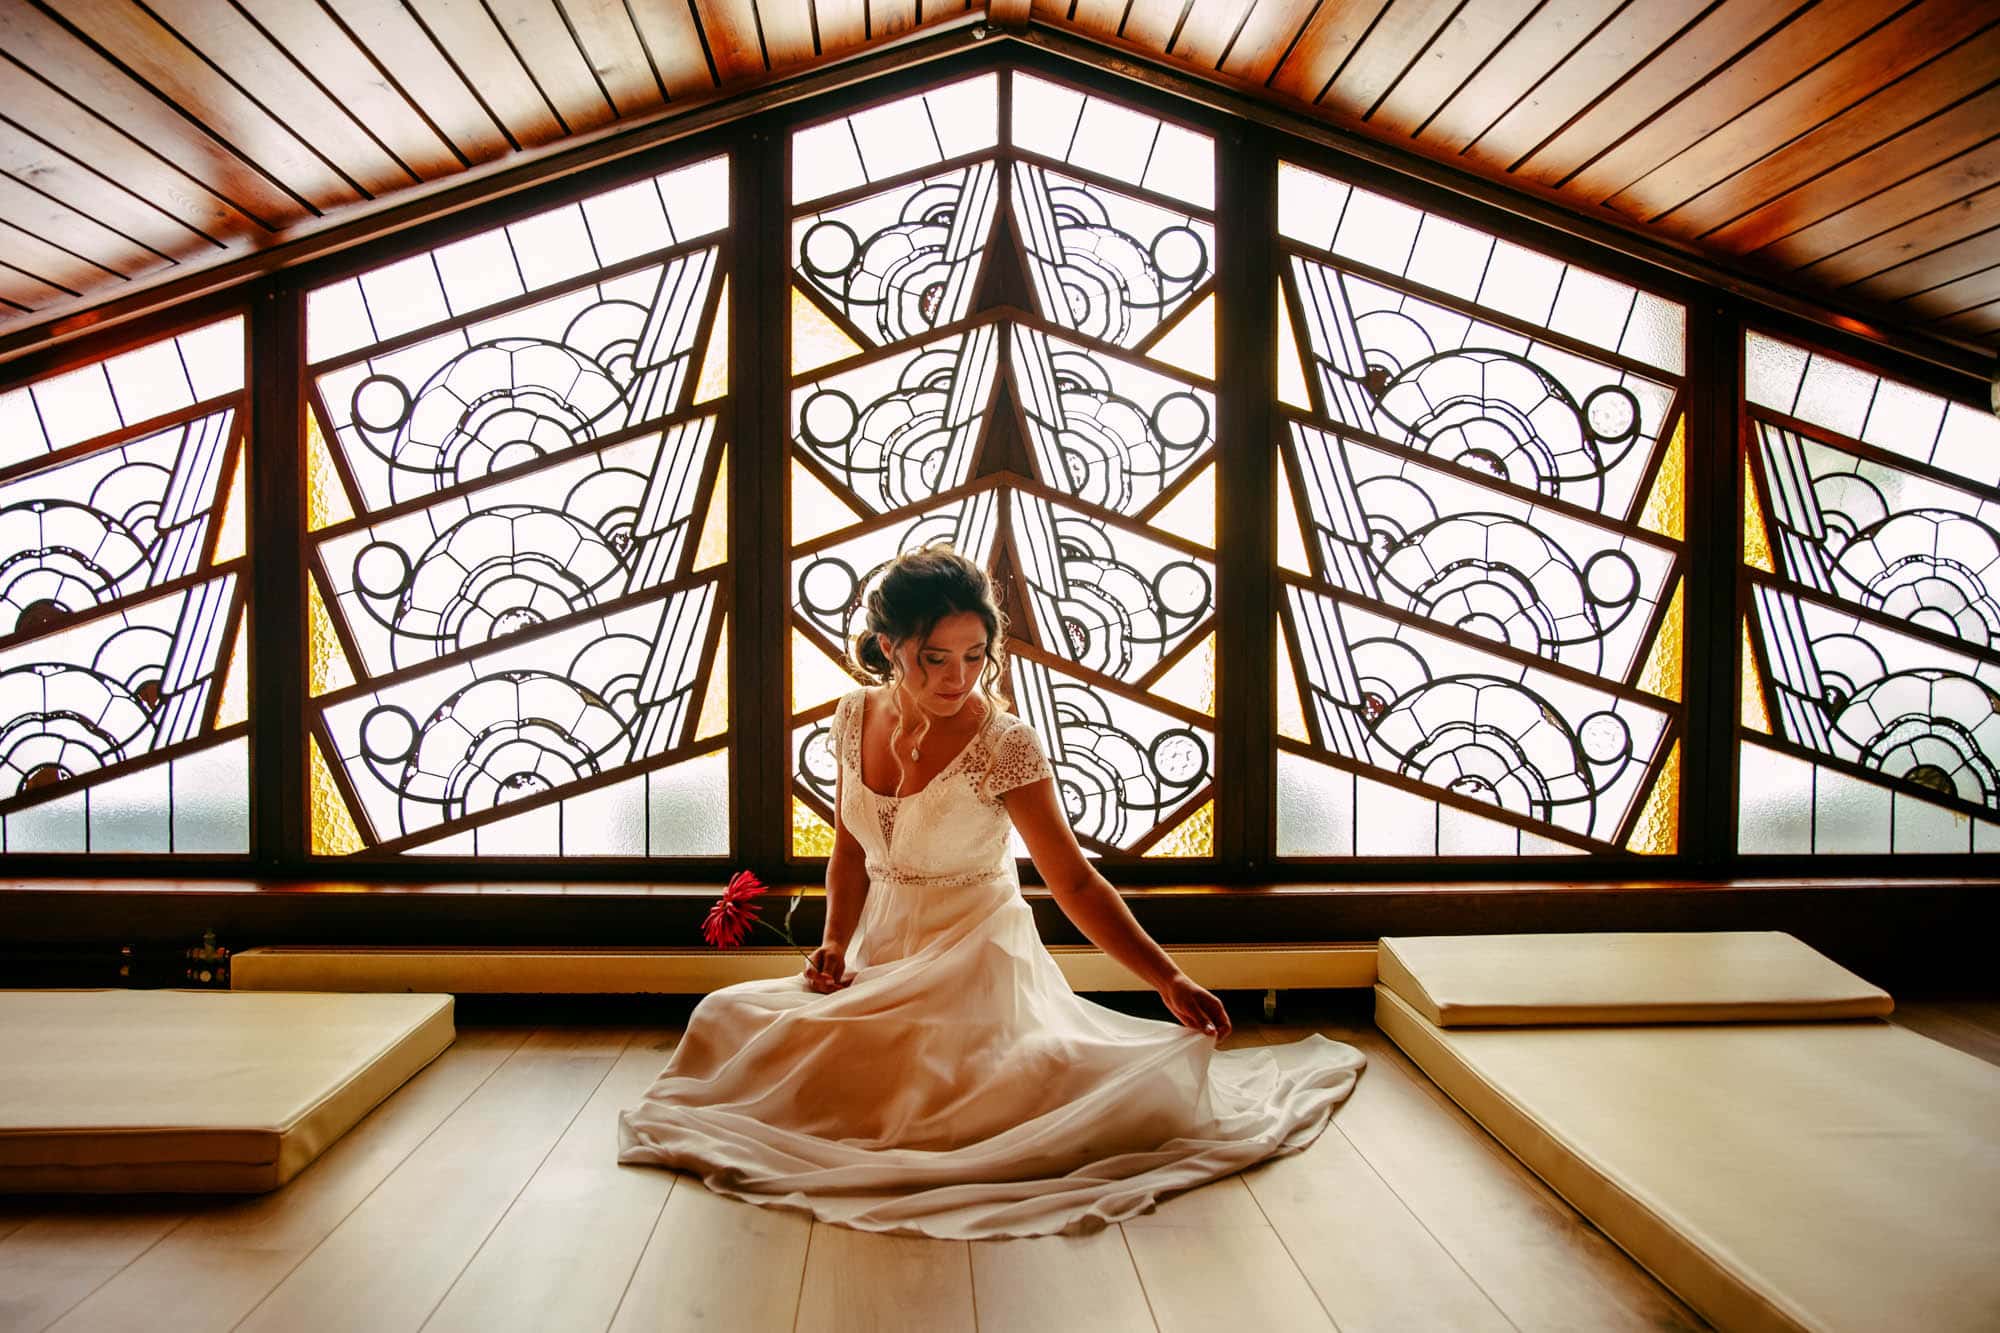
pixel 958 1088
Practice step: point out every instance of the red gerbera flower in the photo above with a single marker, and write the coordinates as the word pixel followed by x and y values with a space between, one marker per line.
pixel 728 922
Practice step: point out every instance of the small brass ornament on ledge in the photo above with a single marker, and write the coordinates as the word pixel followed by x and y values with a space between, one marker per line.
pixel 208 964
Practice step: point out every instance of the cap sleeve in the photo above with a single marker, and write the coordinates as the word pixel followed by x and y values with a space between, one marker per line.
pixel 837 725
pixel 1018 759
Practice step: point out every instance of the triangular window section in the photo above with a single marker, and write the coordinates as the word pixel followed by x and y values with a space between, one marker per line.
pixel 1026 311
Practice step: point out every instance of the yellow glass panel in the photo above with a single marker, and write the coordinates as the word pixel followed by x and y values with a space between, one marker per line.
pixel 816 508
pixel 1291 370
pixel 326 500
pixel 1658 831
pixel 1666 506
pixel 1662 675
pixel 713 548
pixel 714 381
pixel 1291 537
pixel 1195 836
pixel 330 670
pixel 1191 514
pixel 1291 716
pixel 816 340
pixel 1756 540
pixel 230 538
pixel 234 706
pixel 715 702
pixel 333 830
pixel 1754 715
pixel 1190 346
pixel 811 835
pixel 1191 681
pixel 816 678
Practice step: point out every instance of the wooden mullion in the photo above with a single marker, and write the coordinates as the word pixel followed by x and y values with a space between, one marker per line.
pixel 900 180
pixel 1097 180
pixel 22 800
pixel 1506 652
pixel 760 528
pixel 1713 520
pixel 1444 796
pixel 1471 309
pixel 1191 639
pixel 1246 540
pixel 277 540
pixel 541 800
pixel 554 291
pixel 1110 684
pixel 1985 654
pixel 370 681
pixel 205 574
pixel 124 435
pixel 364 517
pixel 1869 453
pixel 1595 518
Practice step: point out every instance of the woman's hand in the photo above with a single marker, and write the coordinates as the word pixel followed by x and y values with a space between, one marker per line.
pixel 826 971
pixel 1195 1007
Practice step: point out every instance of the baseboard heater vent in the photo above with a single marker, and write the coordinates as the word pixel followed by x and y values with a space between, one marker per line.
pixel 617 971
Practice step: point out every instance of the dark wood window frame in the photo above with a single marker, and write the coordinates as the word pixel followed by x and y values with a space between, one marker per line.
pixel 1186 899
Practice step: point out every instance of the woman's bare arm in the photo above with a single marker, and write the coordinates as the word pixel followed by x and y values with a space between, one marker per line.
pixel 846 892
pixel 1089 901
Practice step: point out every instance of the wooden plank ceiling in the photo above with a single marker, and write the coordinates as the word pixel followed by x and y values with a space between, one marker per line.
pixel 1842 148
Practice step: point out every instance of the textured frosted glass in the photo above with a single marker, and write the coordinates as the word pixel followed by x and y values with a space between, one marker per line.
pixel 1450 257
pixel 1774 802
pixel 129 814
pixel 1521 283
pixel 404 296
pixel 212 800
pixel 1849 815
pixel 1310 205
pixel 1969 444
pixel 149 382
pixel 627 222
pixel 1836 395
pixel 1772 371
pixel 1378 231
pixel 1392 822
pixel 689 808
pixel 477 271
pixel 610 821
pixel 1461 833
pixel 1924 827
pixel 530 833
pixel 1315 809
pixel 52 826
pixel 1657 333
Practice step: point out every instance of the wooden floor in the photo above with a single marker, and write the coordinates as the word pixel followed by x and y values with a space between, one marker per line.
pixel 484 1195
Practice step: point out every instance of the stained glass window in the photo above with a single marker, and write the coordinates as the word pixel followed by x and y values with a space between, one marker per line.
pixel 124 672
pixel 1010 346
pixel 517 482
pixel 1870 717
pixel 1480 541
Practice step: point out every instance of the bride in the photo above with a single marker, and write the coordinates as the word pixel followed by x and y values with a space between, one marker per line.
pixel 933 1073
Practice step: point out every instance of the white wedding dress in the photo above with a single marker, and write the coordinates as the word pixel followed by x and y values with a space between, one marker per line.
pixel 959 1088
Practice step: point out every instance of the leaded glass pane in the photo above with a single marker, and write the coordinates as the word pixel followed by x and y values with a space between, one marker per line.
pixel 1871 658
pixel 122 573
pixel 1069 447
pixel 517 598
pixel 1479 541
pixel 905 135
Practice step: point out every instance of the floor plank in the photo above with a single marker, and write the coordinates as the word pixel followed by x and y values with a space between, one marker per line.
pixel 866 1282
pixel 563 1255
pixel 1080 1284
pixel 1959 1026
pixel 386 1266
pixel 1532 1254
pixel 1370 1261
pixel 692 1273
pixel 51 1262
pixel 1202 1278
pixel 230 1254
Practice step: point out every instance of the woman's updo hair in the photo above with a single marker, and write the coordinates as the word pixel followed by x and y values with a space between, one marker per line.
pixel 913 593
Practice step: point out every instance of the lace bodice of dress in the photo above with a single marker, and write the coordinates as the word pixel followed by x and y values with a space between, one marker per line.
pixel 955 826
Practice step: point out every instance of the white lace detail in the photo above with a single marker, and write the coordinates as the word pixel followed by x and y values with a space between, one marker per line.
pixel 1017 760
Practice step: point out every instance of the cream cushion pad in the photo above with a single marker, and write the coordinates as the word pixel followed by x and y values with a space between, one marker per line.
pixel 1840 1175
pixel 1714 977
pixel 114 1091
